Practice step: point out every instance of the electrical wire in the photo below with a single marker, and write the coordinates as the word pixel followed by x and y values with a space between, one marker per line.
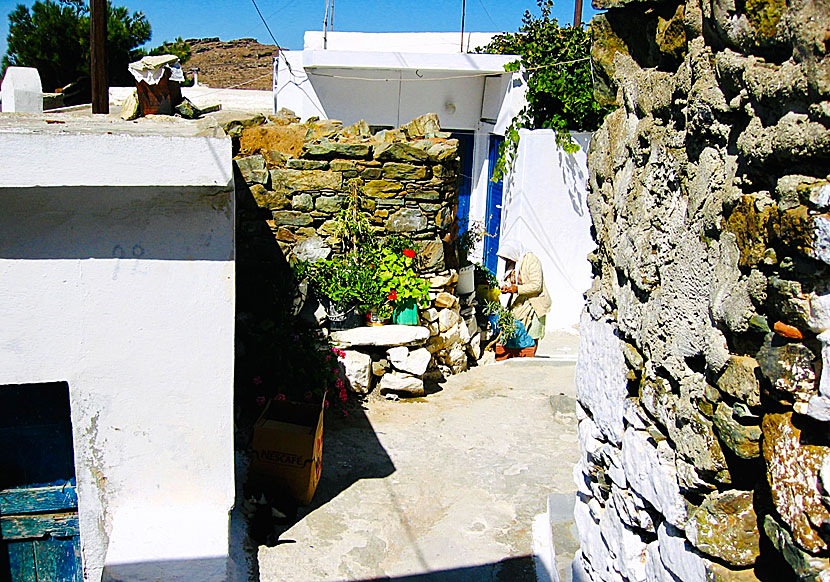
pixel 268 28
pixel 487 12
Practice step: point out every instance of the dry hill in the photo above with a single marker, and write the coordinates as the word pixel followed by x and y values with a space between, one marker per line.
pixel 224 64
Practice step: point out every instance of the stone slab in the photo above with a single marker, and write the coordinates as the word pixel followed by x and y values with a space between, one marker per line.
pixel 384 335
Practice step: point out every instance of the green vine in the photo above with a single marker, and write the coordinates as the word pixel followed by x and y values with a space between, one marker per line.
pixel 555 63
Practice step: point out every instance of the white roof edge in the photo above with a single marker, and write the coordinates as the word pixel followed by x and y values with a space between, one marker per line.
pixel 102 159
pixel 468 62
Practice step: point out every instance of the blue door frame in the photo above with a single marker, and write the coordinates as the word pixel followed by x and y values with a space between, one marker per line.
pixel 466 144
pixel 39 536
pixel 492 221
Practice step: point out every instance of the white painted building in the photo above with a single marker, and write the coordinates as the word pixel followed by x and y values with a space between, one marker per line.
pixel 545 207
pixel 118 289
pixel 388 79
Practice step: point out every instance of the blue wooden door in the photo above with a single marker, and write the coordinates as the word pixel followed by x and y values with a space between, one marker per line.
pixel 39 537
pixel 466 143
pixel 492 222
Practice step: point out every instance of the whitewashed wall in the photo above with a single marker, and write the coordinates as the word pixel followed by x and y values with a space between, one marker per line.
pixel 544 207
pixel 125 290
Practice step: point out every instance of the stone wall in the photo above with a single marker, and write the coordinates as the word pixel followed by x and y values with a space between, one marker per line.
pixel 705 411
pixel 302 175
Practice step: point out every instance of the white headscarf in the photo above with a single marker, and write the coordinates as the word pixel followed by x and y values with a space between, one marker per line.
pixel 511 250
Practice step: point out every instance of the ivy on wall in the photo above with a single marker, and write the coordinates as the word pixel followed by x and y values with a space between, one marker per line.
pixel 555 62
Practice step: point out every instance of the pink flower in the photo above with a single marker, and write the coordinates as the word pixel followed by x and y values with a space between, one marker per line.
pixel 326 404
pixel 345 412
pixel 280 397
pixel 257 380
pixel 344 396
pixel 260 400
pixel 409 253
pixel 328 357
pixel 339 384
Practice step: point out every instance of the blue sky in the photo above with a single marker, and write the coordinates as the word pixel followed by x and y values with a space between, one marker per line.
pixel 288 19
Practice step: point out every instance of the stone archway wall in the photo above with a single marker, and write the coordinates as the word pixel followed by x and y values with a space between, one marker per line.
pixel 704 400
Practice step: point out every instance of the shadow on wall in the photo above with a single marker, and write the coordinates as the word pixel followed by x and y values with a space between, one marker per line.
pixel 574 175
pixel 139 223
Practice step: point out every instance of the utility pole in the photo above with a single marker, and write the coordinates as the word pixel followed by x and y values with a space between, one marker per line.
pixel 98 56
pixel 326 24
pixel 578 13
pixel 463 17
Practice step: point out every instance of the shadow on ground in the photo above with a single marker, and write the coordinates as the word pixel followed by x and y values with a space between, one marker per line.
pixel 351 452
pixel 516 569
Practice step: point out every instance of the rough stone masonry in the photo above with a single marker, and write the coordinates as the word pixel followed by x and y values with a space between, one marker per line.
pixel 301 175
pixel 704 403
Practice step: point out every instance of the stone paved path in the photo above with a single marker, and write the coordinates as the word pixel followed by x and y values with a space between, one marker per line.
pixel 441 488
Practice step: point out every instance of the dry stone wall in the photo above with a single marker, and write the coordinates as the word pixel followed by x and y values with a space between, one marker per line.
pixel 704 397
pixel 302 175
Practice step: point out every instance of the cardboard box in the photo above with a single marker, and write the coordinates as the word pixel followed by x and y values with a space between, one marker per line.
pixel 288 448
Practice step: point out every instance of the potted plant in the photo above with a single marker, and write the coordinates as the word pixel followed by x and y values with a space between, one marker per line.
pixel 466 271
pixel 336 283
pixel 403 287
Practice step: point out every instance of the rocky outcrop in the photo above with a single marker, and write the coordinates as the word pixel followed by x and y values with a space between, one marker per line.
pixel 705 355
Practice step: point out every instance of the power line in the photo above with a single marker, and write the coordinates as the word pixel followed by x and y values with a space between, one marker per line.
pixel 268 28
pixel 279 48
pixel 487 12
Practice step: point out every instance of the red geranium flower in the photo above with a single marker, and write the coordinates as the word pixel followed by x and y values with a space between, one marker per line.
pixel 409 253
pixel 393 295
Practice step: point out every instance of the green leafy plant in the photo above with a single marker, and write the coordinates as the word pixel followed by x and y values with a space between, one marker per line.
pixel 302 367
pixel 555 63
pixel 352 226
pixel 485 276
pixel 398 278
pixel 372 273
pixel 504 319
pixel 468 240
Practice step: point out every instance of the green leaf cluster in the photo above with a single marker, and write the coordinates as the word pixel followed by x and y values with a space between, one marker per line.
pixel 372 273
pixel 504 319
pixel 53 37
pixel 555 63
pixel 397 276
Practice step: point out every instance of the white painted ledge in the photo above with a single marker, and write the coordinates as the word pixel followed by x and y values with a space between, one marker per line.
pixel 103 150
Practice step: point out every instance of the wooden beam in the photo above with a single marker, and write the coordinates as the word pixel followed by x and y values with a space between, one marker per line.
pixel 38 500
pixel 16 527
pixel 578 13
pixel 98 55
